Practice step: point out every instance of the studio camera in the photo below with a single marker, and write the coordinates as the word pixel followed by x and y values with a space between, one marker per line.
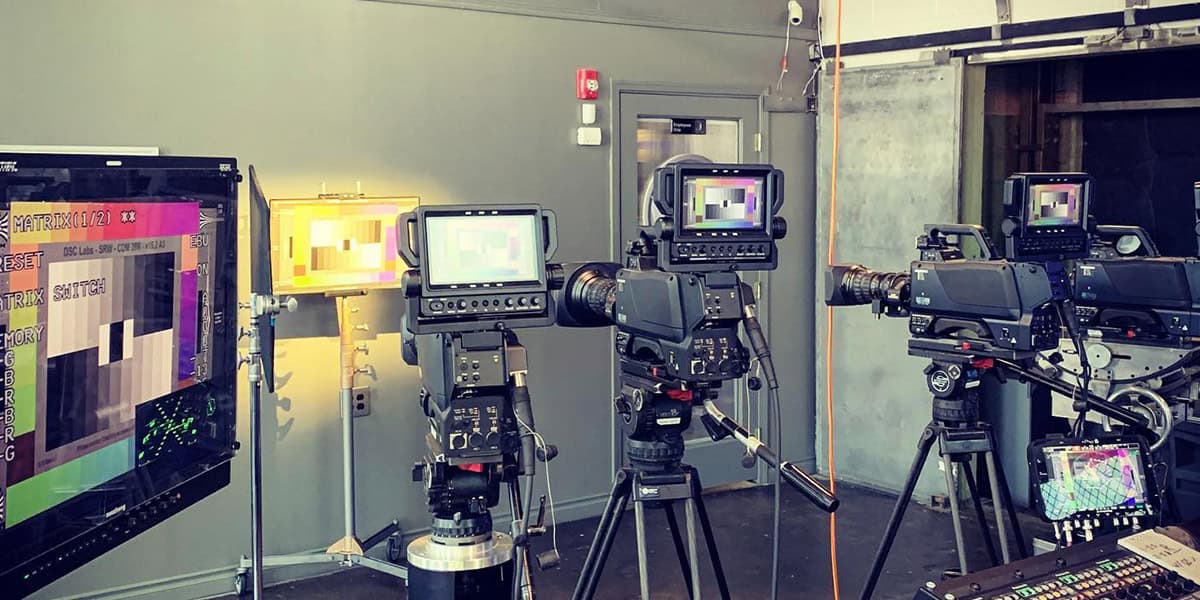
pixel 678 303
pixel 478 272
pixel 969 316
pixel 1128 291
pixel 999 306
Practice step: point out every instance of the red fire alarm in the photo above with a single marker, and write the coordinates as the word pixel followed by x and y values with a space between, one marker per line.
pixel 587 84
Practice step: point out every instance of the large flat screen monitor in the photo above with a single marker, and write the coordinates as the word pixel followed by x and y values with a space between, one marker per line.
pixel 118 324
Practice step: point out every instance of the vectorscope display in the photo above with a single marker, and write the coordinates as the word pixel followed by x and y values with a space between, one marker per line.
pixel 117 332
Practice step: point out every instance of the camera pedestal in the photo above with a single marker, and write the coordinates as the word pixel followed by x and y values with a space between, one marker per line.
pixel 654 490
pixel 961 436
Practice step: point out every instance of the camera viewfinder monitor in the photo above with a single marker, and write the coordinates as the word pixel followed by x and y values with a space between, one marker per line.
pixel 477 266
pixel 723 203
pixel 483 250
pixel 722 216
pixel 1047 216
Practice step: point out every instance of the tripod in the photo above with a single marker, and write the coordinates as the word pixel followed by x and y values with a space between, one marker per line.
pixel 655 479
pixel 961 436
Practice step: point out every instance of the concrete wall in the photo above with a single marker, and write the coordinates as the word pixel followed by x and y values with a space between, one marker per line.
pixel 451 105
pixel 898 170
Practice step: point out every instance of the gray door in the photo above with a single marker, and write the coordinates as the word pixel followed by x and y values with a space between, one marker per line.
pixel 645 140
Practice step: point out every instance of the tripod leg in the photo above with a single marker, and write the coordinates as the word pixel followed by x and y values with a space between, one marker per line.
pixel 1009 507
pixel 951 471
pixel 669 508
pixel 983 524
pixel 693 550
pixel 709 540
pixel 1001 530
pixel 522 573
pixel 889 535
pixel 639 516
pixel 610 521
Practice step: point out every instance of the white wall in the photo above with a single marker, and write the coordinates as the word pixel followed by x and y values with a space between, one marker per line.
pixel 864 20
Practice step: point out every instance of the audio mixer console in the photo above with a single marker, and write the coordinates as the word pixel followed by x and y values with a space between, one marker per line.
pixel 1099 570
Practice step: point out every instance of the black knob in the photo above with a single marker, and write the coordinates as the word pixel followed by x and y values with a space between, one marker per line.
pixel 1172 576
pixel 492 439
pixel 476 440
pixel 508 301
pixel 522 300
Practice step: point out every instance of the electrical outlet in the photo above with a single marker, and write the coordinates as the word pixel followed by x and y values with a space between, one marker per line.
pixel 360 401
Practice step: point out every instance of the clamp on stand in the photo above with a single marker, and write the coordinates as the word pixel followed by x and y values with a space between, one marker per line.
pixel 349 550
pixel 263 309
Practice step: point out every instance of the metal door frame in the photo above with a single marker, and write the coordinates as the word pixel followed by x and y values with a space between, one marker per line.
pixel 619 87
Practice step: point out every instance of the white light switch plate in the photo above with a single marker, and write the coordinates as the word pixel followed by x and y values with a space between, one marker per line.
pixel 588 136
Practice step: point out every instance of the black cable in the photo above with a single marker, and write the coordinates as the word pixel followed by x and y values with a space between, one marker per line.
pixel 1066 311
pixel 762 351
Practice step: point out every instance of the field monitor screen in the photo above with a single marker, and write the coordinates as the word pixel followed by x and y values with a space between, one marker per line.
pixel 1087 479
pixel 483 249
pixel 117 332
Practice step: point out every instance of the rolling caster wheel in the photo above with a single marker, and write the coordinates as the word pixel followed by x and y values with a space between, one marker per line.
pixel 395 549
pixel 241 584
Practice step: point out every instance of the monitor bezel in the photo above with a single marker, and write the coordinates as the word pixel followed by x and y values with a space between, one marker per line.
pixel 43 556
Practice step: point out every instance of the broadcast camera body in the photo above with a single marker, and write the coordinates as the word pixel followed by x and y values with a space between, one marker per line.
pixel 478 273
pixel 1138 297
pixel 678 301
pixel 992 306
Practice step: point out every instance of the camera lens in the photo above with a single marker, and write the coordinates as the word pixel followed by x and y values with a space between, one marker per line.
pixel 588 295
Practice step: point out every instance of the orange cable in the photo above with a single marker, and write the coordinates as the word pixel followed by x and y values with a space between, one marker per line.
pixel 837 90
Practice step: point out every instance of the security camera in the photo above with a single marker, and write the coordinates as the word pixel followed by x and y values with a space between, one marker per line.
pixel 795 13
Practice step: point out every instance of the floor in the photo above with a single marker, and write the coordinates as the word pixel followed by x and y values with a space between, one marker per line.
pixel 742 521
